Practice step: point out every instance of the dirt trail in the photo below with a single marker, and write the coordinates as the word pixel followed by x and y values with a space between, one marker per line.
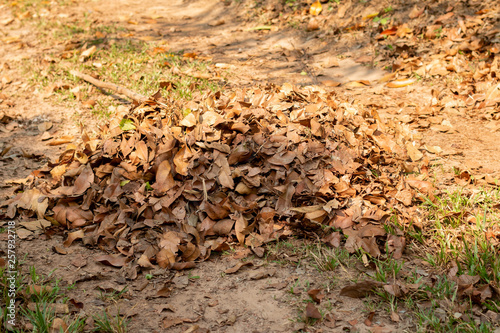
pixel 222 32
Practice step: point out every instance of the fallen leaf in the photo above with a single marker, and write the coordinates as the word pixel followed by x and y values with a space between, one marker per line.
pixel 111 260
pixel 413 152
pixel 416 12
pixel 312 311
pixel 62 140
pixel 394 317
pixel 88 53
pixel 60 250
pixel 400 83
pixel 316 295
pixel 217 23
pixel 361 289
pixel 45 126
pixel 357 84
pixel 72 236
pixel 312 25
pixel 315 8
pixel 23 233
pixel 237 267
pixel 58 325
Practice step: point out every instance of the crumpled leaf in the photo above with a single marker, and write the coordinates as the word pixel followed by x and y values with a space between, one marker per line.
pixel 110 260
pixel 312 311
pixel 164 179
pixel 84 180
pixel 316 295
pixel 181 160
pixel 72 236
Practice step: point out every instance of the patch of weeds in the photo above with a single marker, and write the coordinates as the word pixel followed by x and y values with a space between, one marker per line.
pixel 40 297
pixel 292 3
pixel 41 317
pixel 286 252
pixel 371 304
pixel 480 257
pixel 295 286
pixel 106 324
pixel 328 259
pixel 462 228
pixel 381 20
pixel 417 76
pixel 438 32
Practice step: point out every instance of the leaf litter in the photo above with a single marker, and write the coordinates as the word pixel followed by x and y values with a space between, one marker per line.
pixel 248 166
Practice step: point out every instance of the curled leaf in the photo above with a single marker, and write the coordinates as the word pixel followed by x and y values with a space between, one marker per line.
pixel 400 83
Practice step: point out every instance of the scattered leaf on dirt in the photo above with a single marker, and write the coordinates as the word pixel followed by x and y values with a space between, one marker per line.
pixel 237 267
pixel 360 290
pixel 312 311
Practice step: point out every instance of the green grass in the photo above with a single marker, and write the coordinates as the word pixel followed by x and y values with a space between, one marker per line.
pixel 41 314
pixel 121 58
pixel 461 225
pixel 106 324
pixel 113 295
pixel 328 259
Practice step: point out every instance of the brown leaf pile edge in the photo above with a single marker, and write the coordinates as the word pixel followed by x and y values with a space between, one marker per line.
pixel 168 182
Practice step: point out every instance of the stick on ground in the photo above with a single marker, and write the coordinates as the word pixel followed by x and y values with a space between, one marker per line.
pixel 111 86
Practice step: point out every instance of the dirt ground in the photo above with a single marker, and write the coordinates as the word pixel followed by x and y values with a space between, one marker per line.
pixel 268 296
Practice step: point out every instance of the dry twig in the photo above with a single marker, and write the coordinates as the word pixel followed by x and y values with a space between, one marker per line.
pixel 111 86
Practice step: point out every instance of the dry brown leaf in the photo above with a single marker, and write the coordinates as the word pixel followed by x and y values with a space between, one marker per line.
pixel 111 260
pixel 62 140
pixel 164 179
pixel 57 308
pixel 58 325
pixel 416 12
pixel 23 233
pixel 84 180
pixel 240 228
pixel 413 152
pixel 357 84
pixel 316 295
pixel 181 160
pixel 72 236
pixel 312 25
pixel 312 311
pixel 361 289
pixel 237 267
pixel 400 83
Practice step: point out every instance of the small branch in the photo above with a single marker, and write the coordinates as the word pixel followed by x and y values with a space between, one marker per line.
pixel 111 86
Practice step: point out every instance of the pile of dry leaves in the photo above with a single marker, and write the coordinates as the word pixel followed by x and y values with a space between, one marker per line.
pixel 167 182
